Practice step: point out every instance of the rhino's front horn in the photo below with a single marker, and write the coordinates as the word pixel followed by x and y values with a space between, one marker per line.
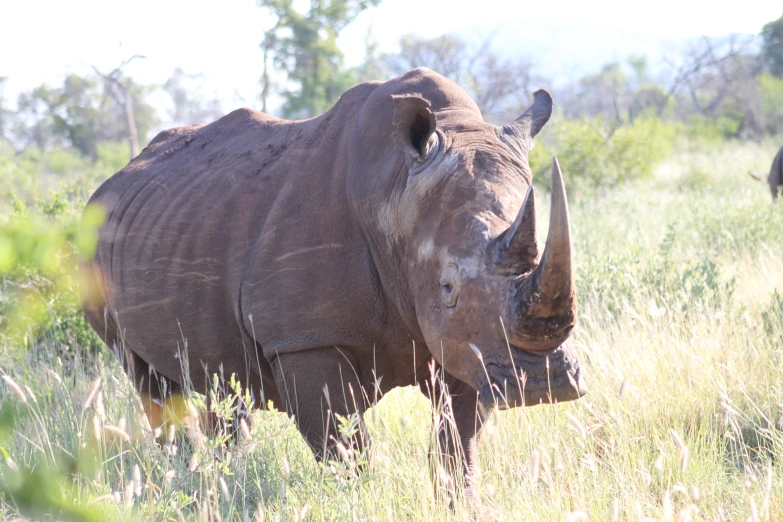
pixel 557 279
pixel 544 302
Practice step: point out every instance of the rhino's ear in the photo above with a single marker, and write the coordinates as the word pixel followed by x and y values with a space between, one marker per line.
pixel 413 124
pixel 525 128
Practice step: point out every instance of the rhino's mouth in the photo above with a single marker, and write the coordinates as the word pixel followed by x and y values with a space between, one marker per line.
pixel 544 377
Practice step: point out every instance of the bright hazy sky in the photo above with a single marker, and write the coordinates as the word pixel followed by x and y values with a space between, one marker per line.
pixel 42 40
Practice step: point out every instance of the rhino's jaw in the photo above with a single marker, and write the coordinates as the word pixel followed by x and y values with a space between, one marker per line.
pixel 545 377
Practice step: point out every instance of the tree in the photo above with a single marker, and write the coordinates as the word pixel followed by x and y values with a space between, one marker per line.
pixel 603 94
pixel 772 47
pixel 120 90
pixel 304 46
pixel 82 113
pixel 715 80
pixel 373 68
pixel 500 86
pixel 5 114
pixel 722 84
pixel 64 116
pixel 189 106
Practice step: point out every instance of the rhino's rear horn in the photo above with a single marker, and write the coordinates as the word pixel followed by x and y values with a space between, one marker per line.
pixel 517 247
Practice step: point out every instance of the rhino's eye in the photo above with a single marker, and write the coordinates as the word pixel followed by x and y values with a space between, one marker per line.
pixel 449 286
pixel 449 295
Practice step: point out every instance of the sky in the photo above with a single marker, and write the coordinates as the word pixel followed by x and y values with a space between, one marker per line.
pixel 42 40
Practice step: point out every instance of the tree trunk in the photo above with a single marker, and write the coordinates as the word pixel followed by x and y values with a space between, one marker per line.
pixel 133 135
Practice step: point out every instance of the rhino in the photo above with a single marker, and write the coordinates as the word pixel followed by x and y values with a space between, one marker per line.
pixel 327 261
pixel 775 178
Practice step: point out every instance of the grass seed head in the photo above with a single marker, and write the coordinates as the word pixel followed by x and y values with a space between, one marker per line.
pixel 137 479
pixel 244 429
pixel 128 494
pixel 96 428
pixel 14 386
pixel 116 433
pixel 224 488
pixel 535 465
pixel 91 393
pixel 168 477
pixel 683 463
pixel 193 464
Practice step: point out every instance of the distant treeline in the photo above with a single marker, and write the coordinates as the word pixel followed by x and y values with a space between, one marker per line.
pixel 720 88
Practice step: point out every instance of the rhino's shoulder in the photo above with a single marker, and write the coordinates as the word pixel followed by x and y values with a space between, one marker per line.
pixel 165 140
pixel 167 134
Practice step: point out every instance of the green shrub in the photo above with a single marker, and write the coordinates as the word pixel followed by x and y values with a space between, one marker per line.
pixel 701 131
pixel 58 176
pixel 635 150
pixel 66 161
pixel 592 160
pixel 39 287
pixel 771 89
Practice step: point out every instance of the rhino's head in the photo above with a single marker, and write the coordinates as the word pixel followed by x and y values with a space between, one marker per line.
pixel 458 218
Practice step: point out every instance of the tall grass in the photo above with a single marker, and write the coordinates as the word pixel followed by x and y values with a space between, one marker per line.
pixel 681 329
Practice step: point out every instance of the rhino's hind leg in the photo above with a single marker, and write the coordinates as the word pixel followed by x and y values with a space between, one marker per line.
pixel 161 398
pixel 319 387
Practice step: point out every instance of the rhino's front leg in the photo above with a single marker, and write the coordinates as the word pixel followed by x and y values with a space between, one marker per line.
pixel 317 386
pixel 458 418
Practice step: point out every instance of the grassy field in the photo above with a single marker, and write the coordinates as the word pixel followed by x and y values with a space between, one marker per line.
pixel 681 329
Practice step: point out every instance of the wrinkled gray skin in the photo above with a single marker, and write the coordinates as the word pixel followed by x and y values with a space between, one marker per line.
pixel 775 178
pixel 315 259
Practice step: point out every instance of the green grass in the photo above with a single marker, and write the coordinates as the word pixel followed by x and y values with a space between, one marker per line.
pixel 681 331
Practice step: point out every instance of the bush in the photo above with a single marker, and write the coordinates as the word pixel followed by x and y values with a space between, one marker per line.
pixel 772 95
pixel 631 152
pixel 703 131
pixel 33 175
pixel 39 288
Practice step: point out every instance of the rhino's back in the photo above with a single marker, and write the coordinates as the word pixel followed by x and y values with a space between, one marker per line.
pixel 182 219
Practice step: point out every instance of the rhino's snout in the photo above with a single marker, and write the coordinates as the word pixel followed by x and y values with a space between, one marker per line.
pixel 541 378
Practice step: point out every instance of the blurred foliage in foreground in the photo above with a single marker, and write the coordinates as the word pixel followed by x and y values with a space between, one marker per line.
pixel 43 235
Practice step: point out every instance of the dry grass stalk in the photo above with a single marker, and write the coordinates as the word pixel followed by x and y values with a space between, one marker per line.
pixel 683 460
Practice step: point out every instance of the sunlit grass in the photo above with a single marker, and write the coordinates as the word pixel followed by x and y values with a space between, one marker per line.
pixel 681 331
